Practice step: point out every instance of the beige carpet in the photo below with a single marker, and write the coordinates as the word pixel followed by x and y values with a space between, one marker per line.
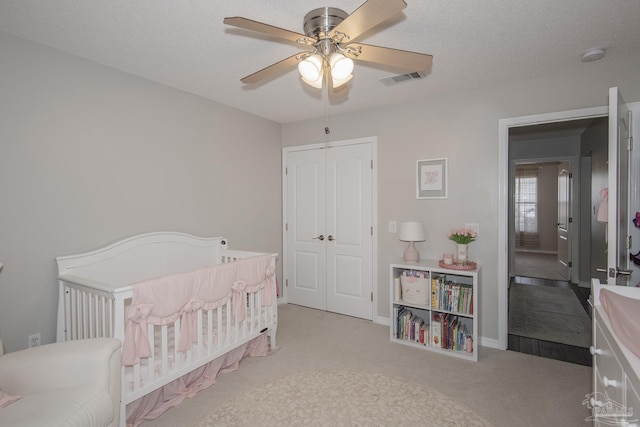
pixel 549 314
pixel 506 388
pixel 342 398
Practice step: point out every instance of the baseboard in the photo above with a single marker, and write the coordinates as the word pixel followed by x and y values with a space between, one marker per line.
pixel 385 321
pixel 490 342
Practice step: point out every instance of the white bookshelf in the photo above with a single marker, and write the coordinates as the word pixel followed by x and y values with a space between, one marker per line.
pixel 451 300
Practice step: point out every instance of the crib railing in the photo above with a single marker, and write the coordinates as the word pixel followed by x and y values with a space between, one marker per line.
pixel 91 311
pixel 217 333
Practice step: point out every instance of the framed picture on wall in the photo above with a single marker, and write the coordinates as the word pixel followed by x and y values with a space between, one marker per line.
pixel 431 179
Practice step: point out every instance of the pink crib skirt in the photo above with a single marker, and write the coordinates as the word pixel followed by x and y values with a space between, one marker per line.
pixel 157 402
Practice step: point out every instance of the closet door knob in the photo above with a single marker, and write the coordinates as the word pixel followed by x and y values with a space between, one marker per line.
pixel 594 351
pixel 320 237
pixel 330 238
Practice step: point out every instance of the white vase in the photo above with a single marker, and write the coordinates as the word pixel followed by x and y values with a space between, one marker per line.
pixel 462 253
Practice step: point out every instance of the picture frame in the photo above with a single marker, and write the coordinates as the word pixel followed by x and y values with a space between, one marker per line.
pixel 431 179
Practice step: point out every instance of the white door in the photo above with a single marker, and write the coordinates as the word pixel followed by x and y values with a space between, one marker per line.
pixel 349 228
pixel 305 275
pixel 564 220
pixel 328 225
pixel 618 271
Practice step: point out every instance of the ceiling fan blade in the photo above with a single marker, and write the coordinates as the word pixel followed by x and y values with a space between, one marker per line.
pixel 275 69
pixel 396 58
pixel 261 27
pixel 367 16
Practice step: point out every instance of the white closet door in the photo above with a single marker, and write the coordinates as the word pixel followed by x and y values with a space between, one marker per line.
pixel 349 221
pixel 329 219
pixel 306 231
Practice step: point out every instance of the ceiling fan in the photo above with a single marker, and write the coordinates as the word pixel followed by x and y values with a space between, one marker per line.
pixel 330 35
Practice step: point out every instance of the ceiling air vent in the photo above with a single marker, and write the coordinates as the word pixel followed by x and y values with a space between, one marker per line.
pixel 400 78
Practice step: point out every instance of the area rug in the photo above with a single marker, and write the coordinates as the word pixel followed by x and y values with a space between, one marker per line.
pixel 541 266
pixel 549 314
pixel 341 398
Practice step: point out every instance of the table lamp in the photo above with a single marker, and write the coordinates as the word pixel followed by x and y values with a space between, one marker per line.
pixel 411 231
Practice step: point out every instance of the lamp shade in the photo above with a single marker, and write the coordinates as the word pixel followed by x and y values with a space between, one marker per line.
pixel 411 231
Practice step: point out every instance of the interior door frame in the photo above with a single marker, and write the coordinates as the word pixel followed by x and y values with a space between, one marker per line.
pixel 503 198
pixel 324 145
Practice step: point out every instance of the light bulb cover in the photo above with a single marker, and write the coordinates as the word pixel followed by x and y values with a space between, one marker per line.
pixel 315 83
pixel 311 68
pixel 341 66
pixel 338 83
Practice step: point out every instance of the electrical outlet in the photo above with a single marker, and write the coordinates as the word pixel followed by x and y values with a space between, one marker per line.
pixel 33 340
pixel 393 226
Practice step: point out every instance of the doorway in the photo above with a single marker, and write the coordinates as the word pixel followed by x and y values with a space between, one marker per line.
pixel 507 128
pixel 548 313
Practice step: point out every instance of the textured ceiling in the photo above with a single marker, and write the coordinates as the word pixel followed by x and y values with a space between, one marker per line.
pixel 185 45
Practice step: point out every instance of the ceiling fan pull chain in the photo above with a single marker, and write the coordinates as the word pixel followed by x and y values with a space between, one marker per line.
pixel 327 131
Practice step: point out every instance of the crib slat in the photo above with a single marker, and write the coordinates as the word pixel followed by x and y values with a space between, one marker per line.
pixel 227 338
pixel 165 351
pixel 219 340
pixel 136 377
pixel 199 345
pixel 151 361
pixel 209 331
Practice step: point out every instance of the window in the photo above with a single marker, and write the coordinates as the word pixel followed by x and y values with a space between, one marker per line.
pixel 526 207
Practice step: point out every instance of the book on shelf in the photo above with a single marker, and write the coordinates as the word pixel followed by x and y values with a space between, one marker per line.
pixel 451 296
pixel 436 330
pixel 410 326
pixel 449 332
pixel 434 292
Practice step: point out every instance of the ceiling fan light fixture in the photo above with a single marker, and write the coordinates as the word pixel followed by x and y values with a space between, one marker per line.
pixel 341 66
pixel 340 82
pixel 317 83
pixel 311 68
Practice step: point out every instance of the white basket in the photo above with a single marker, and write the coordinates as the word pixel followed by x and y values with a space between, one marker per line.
pixel 415 290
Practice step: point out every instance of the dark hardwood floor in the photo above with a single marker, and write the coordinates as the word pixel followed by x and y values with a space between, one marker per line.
pixel 552 350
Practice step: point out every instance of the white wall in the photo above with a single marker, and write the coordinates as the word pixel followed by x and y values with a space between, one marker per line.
pixel 463 127
pixel 89 155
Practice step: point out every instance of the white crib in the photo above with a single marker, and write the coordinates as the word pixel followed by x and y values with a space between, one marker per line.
pixel 96 289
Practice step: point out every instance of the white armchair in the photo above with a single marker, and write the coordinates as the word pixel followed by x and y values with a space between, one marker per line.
pixel 73 383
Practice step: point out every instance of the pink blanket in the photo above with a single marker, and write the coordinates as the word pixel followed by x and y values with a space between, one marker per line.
pixel 624 314
pixel 163 300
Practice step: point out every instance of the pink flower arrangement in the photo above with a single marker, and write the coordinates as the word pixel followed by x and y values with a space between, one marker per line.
pixel 462 236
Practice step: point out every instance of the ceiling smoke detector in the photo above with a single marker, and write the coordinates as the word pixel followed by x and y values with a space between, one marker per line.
pixel 592 54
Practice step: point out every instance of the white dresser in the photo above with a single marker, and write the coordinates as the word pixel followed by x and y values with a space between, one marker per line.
pixel 616 370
